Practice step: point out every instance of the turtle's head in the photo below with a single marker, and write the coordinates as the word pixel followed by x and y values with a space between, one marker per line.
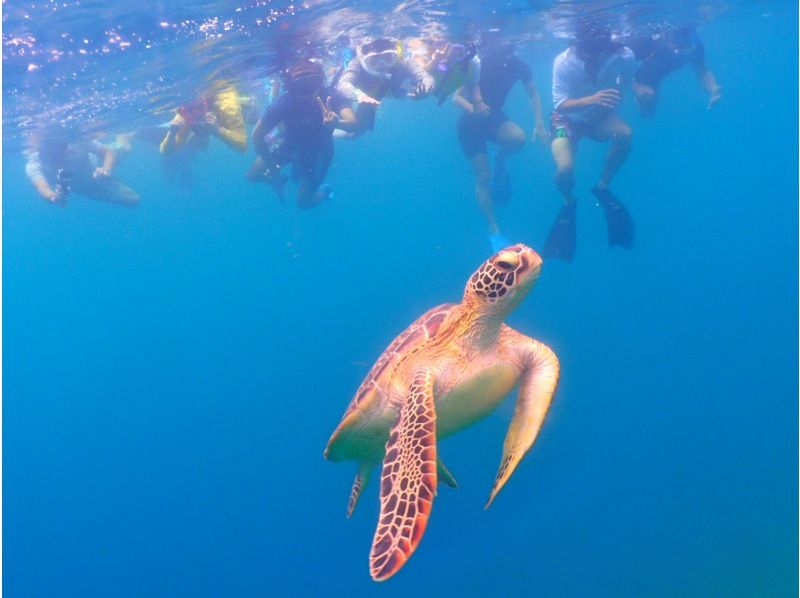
pixel 503 280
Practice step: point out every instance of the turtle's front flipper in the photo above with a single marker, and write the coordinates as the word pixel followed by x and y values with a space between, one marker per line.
pixel 408 481
pixel 535 393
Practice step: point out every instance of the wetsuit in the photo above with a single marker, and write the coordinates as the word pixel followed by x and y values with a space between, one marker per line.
pixel 307 142
pixel 499 73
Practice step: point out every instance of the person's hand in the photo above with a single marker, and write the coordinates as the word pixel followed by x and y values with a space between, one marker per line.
pixel 363 98
pixel 211 121
pixel 716 96
pixel 420 90
pixel 540 133
pixel 481 109
pixel 329 117
pixel 101 172
pixel 608 98
pixel 58 198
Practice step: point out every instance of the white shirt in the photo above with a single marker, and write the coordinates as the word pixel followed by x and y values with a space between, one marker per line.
pixel 571 82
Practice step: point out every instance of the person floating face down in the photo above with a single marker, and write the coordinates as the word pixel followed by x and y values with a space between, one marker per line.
pixel 379 70
pixel 60 163
pixel 588 80
pixel 308 112
pixel 664 53
pixel 484 120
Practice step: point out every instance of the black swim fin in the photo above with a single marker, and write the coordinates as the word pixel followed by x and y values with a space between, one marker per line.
pixel 560 242
pixel 620 224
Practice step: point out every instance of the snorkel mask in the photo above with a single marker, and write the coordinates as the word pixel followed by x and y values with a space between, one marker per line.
pixel 378 57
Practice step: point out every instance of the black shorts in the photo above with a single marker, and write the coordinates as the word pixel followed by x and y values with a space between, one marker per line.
pixel 308 162
pixel 475 131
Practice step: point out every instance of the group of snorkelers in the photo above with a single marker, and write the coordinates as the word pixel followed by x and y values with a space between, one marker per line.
pixel 314 102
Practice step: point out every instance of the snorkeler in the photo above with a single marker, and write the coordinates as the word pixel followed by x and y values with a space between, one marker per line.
pixel 308 114
pixel 379 70
pixel 588 79
pixel 59 163
pixel 484 120
pixel 664 53
pixel 452 65
pixel 217 114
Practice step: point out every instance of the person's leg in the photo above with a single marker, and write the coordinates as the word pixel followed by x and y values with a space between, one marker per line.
pixel 616 130
pixel 483 175
pixel 563 149
pixel 621 230
pixel 311 191
pixel 510 137
pixel 269 172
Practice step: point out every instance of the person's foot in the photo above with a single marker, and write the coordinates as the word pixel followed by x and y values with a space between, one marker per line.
pixel 324 193
pixel 498 241
pixel 621 230
pixel 501 184
pixel 561 241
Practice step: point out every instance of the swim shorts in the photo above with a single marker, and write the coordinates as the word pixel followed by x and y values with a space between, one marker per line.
pixel 475 131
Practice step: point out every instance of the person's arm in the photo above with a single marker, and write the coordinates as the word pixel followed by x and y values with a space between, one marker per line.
pixel 539 130
pixel 704 74
pixel 33 169
pixel 348 85
pixel 462 102
pixel 108 156
pixel 423 80
pixel 168 143
pixel 268 121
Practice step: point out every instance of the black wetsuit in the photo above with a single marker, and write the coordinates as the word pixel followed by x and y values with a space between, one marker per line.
pixel 662 56
pixel 307 142
pixel 500 71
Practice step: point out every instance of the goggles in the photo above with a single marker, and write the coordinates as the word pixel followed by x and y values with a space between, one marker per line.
pixel 380 61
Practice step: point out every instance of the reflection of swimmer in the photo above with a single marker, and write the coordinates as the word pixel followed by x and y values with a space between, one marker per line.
pixel 379 70
pixel 484 120
pixel 665 53
pixel 58 165
pixel 308 115
pixel 588 79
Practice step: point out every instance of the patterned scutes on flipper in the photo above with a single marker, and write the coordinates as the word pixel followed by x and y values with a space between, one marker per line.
pixel 408 481
pixel 423 329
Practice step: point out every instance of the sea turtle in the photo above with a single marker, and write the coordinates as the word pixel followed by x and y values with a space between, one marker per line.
pixel 450 368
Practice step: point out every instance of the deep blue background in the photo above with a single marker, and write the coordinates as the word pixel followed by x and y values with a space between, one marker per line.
pixel 172 372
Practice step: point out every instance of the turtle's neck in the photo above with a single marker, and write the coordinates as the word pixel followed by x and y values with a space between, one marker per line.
pixel 480 326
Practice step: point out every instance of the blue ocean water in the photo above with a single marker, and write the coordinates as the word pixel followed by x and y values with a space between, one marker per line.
pixel 172 372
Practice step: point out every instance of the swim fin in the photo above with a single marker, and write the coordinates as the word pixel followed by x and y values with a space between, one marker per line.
pixel 560 242
pixel 620 224
pixel 499 242
pixel 501 184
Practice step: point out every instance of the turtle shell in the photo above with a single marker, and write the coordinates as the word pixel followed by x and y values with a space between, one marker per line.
pixel 424 328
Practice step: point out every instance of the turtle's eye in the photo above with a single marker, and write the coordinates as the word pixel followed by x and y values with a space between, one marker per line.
pixel 507 261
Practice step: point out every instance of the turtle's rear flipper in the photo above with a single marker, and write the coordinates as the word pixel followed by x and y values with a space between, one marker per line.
pixel 445 477
pixel 408 481
pixel 362 478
